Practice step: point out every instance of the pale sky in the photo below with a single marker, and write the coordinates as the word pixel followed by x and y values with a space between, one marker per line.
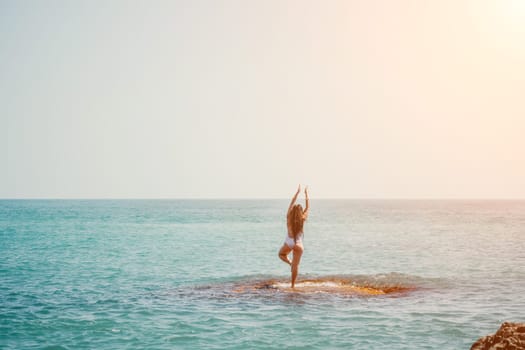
pixel 246 99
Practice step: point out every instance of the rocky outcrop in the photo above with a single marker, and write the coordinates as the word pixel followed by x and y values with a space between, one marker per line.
pixel 510 336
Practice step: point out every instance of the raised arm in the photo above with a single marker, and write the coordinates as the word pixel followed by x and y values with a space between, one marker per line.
pixel 307 203
pixel 293 201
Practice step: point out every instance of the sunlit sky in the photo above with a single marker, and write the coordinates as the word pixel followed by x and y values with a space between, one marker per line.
pixel 246 99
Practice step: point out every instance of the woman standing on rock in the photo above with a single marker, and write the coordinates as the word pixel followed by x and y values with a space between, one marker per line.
pixel 295 219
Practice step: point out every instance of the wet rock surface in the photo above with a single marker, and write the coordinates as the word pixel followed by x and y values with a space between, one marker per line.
pixel 510 336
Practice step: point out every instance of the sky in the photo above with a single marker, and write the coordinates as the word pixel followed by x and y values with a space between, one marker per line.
pixel 247 99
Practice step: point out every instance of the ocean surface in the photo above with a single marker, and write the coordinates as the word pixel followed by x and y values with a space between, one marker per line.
pixel 204 274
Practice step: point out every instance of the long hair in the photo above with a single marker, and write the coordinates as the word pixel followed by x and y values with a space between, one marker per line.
pixel 297 220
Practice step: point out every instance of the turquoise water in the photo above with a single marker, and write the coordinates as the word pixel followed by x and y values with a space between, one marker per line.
pixel 165 274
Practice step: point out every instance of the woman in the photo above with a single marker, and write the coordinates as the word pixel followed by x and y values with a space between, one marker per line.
pixel 294 240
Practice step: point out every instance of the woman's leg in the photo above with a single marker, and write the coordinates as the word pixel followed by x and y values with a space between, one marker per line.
pixel 297 253
pixel 283 254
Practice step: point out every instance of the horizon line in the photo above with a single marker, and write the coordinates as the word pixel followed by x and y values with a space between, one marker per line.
pixel 271 198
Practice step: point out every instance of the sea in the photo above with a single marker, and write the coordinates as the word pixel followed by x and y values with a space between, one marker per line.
pixel 205 274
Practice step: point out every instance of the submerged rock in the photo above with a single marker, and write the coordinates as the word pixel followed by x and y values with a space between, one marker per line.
pixel 510 336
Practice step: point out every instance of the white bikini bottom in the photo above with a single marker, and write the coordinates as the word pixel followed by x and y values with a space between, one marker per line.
pixel 291 243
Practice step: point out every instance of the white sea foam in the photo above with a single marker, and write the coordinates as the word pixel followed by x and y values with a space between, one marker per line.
pixel 308 284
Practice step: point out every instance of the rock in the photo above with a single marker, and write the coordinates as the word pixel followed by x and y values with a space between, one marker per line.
pixel 510 336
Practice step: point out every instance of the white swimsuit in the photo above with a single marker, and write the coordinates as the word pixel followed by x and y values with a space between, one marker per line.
pixel 291 243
